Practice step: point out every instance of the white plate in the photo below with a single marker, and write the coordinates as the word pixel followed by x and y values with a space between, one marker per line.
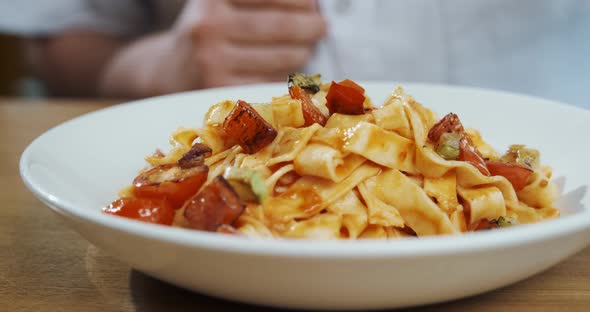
pixel 77 168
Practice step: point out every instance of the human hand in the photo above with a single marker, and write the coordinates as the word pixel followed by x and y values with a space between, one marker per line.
pixel 230 42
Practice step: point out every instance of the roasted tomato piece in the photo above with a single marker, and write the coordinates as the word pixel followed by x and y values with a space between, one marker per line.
pixel 216 204
pixel 311 114
pixel 345 98
pixel 468 153
pixel 450 128
pixel 518 175
pixel 150 210
pixel 248 128
pixel 195 156
pixel 170 182
pixel 352 84
pixel 448 124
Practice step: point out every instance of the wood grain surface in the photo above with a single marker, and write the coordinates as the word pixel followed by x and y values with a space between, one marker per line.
pixel 45 266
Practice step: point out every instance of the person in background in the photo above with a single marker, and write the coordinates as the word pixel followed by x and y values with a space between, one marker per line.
pixel 145 48
pixel 139 48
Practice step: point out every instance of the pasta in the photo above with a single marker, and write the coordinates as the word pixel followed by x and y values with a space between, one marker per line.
pixel 323 163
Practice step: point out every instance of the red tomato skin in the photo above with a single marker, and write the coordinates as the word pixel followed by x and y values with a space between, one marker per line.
pixel 158 211
pixel 311 114
pixel 469 154
pixel 248 128
pixel 216 204
pixel 177 192
pixel 345 99
pixel 351 84
pixel 517 175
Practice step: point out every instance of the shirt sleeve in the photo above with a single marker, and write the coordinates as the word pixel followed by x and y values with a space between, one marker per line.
pixel 37 18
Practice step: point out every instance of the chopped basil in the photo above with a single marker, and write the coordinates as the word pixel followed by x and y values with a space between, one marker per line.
pixel 311 83
pixel 448 147
pixel 506 222
pixel 252 178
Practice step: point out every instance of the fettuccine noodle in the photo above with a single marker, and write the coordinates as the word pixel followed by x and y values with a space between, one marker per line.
pixel 370 175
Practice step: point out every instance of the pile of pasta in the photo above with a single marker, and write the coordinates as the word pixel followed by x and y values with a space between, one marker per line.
pixel 374 173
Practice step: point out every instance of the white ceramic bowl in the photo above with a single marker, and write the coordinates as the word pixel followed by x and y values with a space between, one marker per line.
pixel 76 168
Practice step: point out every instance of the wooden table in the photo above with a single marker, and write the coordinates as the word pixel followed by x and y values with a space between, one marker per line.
pixel 44 266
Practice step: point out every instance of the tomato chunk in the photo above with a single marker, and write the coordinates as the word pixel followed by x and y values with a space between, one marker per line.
pixel 448 124
pixel 216 204
pixel 345 97
pixel 352 84
pixel 469 154
pixel 311 114
pixel 170 182
pixel 248 128
pixel 518 175
pixel 149 210
pixel 449 127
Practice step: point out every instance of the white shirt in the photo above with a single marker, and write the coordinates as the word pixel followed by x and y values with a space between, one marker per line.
pixel 537 47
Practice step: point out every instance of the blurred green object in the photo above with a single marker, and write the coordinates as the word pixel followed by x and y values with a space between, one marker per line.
pixel 12 65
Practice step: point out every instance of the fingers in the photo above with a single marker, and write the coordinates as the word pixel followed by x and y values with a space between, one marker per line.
pixel 255 24
pixel 231 65
pixel 268 59
pixel 283 4
pixel 249 41
pixel 275 26
pixel 236 79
